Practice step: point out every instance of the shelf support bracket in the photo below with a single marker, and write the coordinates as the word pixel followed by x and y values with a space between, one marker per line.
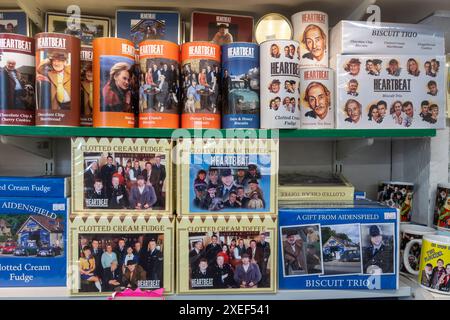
pixel 41 147
pixel 33 11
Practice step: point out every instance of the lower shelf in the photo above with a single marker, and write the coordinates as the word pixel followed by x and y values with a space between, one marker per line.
pixel 52 293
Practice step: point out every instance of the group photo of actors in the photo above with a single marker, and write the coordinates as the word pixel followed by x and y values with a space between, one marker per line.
pixel 147 29
pixel 397 196
pixel 159 86
pixel 53 82
pixel 113 263
pixel 288 103
pixel 16 87
pixel 414 253
pixel 201 87
pixel 218 189
pixel 442 208
pixel 221 261
pixel 301 250
pixel 436 277
pixel 400 113
pixel 318 100
pixel 375 67
pixel 288 51
pixel 139 184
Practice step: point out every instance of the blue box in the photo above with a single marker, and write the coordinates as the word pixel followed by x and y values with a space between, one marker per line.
pixel 44 186
pixel 33 246
pixel 140 25
pixel 338 246
pixel 14 21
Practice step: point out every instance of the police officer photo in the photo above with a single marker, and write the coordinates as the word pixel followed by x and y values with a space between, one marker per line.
pixel 378 254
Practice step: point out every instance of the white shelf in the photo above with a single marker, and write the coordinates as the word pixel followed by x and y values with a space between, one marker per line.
pixel 52 293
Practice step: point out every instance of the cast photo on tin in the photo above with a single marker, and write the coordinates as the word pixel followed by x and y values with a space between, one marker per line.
pixel 397 196
pixel 17 79
pixel 201 86
pixel 53 81
pixel 288 103
pixel 115 262
pixel 241 91
pixel 436 276
pixel 317 98
pixel 118 83
pixel 116 181
pixel 288 51
pixel 243 188
pixel 378 248
pixel 314 40
pixel 159 86
pixel 8 25
pixel 301 250
pixel 229 259
pixel 442 208
pixel 31 236
pixel 341 249
pixel 87 29
pixel 147 29
pixel 86 98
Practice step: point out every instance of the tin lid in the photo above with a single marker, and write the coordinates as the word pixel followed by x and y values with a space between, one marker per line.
pixel 273 26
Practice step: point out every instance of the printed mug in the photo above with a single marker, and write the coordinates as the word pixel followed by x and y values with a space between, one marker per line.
pixel 408 232
pixel 434 272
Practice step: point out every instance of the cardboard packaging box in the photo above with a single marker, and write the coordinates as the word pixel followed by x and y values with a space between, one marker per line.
pixel 213 253
pixel 227 176
pixel 151 238
pixel 104 182
pixel 362 37
pixel 338 246
pixel 43 186
pixel 33 250
pixel 390 91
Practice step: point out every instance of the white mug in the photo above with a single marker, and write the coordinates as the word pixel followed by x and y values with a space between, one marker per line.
pixel 434 273
pixel 413 232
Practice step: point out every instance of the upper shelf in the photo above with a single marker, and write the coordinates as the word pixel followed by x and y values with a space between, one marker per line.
pixel 62 132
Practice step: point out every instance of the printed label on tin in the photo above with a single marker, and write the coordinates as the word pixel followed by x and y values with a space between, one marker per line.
pixel 280 85
pixel 57 80
pixel 397 195
pixel 311 30
pixel 317 98
pixel 17 80
pixel 200 77
pixel 114 82
pixel 87 87
pixel 159 84
pixel 240 86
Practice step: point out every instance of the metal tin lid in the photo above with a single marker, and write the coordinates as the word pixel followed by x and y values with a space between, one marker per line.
pixel 273 26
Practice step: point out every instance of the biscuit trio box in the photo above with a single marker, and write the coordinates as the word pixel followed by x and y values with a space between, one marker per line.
pixel 338 246
pixel 33 242
pixel 218 176
pixel 362 37
pixel 226 254
pixel 112 175
pixel 390 91
pixel 44 186
pixel 104 250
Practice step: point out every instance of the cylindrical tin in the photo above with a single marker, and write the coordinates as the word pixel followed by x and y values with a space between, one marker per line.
pixel 17 80
pixel 57 80
pixel 311 30
pixel 279 83
pixel 273 26
pixel 87 87
pixel 442 207
pixel 113 65
pixel 159 84
pixel 398 195
pixel 200 77
pixel 240 85
pixel 316 98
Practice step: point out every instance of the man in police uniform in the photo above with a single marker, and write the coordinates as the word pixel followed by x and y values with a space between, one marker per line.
pixel 154 263
pixel 378 256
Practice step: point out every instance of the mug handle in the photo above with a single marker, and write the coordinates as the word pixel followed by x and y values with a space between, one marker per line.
pixel 406 255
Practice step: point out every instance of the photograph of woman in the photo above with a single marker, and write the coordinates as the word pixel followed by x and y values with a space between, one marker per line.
pixel 116 94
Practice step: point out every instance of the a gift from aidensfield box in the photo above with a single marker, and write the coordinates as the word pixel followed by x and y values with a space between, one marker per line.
pixel 33 242
pixel 362 37
pixel 338 246
pixel 390 91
